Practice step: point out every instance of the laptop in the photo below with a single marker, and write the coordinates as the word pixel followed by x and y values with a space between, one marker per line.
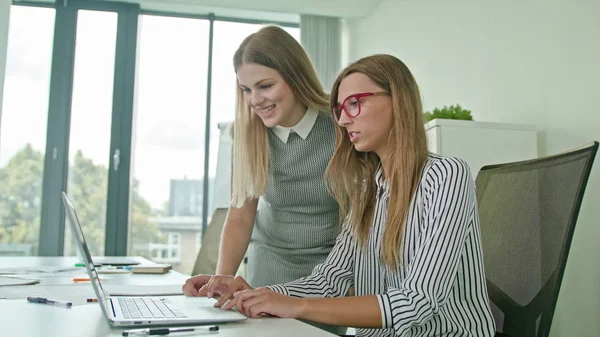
pixel 128 311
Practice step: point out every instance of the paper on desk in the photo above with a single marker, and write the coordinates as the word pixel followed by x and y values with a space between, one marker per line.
pixel 79 293
pixel 35 270
pixel 76 293
pixel 16 281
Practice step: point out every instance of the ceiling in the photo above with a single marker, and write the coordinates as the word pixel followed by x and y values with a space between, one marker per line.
pixel 339 8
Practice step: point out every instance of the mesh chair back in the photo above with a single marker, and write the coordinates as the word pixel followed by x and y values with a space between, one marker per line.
pixel 528 212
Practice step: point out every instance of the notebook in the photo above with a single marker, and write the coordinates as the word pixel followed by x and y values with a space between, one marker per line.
pixel 124 311
pixel 150 269
pixel 114 261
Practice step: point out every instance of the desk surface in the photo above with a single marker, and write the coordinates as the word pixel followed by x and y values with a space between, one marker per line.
pixel 23 319
pixel 66 277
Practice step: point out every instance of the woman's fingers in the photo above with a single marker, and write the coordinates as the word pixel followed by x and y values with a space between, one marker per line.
pixel 237 284
pixel 191 285
pixel 252 306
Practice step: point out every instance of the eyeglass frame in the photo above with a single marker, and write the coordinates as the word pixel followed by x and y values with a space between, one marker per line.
pixel 358 96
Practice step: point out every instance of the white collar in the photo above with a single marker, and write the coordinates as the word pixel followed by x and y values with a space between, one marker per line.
pixel 302 128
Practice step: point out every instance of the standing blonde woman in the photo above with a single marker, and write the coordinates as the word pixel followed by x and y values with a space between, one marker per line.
pixel 282 213
pixel 411 245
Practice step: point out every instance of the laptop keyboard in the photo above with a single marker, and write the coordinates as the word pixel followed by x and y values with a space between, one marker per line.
pixel 148 307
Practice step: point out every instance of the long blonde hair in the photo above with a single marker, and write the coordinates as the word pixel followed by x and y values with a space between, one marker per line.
pixel 351 174
pixel 271 47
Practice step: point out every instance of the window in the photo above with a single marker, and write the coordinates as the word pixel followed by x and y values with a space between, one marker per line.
pixel 107 47
pixel 24 124
pixel 169 252
pixel 91 111
pixel 168 154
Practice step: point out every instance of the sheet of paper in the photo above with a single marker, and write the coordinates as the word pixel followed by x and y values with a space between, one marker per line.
pixel 35 270
pixel 79 293
pixel 15 281
pixel 76 293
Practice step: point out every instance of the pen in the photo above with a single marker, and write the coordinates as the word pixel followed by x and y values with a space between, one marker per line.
pixel 114 267
pixel 43 300
pixel 166 331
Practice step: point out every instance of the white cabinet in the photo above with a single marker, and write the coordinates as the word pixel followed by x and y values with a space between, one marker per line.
pixel 223 177
pixel 481 143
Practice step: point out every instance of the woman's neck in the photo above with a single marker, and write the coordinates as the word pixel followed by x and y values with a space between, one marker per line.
pixel 295 116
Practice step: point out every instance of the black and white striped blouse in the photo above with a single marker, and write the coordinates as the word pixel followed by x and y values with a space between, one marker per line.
pixel 439 288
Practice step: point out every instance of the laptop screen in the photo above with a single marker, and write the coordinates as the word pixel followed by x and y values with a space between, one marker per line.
pixel 83 248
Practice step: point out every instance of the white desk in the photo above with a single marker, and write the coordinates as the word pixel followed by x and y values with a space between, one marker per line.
pixel 66 277
pixel 18 318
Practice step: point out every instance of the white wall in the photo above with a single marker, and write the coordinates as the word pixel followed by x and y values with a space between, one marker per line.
pixel 4 11
pixel 518 61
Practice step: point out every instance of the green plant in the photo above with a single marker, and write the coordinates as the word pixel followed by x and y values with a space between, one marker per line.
pixel 448 112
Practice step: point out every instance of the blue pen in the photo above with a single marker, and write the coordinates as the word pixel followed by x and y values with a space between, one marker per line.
pixel 43 300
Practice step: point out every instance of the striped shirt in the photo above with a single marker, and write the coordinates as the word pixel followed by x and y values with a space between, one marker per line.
pixel 439 289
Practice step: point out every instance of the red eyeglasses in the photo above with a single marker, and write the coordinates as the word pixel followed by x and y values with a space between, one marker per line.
pixel 351 105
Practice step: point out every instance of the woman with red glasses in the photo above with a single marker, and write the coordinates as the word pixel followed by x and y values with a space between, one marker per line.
pixel 282 215
pixel 410 246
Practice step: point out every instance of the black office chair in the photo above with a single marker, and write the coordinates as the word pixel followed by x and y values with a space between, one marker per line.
pixel 528 212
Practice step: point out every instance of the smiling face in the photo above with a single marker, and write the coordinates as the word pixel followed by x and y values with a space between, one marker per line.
pixel 370 129
pixel 269 96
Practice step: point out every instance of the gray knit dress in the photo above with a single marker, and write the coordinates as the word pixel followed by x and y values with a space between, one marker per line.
pixel 297 219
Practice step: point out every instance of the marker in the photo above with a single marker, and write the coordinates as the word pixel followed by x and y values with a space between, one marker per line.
pixel 43 300
pixel 79 264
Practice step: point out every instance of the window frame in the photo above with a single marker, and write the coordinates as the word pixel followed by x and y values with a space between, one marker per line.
pixel 52 221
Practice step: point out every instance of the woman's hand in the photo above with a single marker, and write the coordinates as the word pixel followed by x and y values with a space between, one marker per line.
pixel 210 285
pixel 263 301
pixel 193 284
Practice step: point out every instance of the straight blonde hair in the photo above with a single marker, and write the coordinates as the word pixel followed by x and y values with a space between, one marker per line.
pixel 351 174
pixel 271 47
